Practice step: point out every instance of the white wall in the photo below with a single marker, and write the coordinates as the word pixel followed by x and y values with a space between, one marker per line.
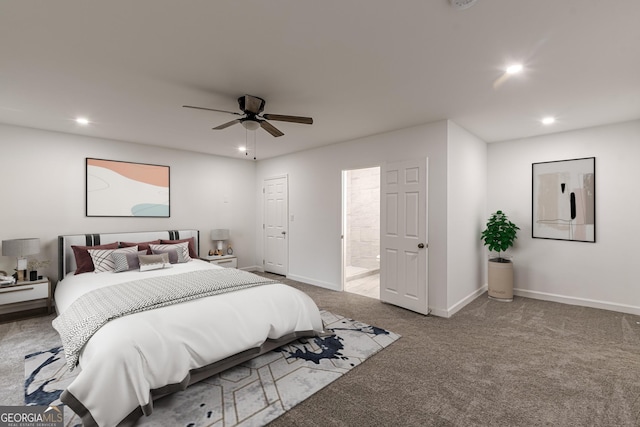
pixel 466 207
pixel 602 274
pixel 315 201
pixel 43 191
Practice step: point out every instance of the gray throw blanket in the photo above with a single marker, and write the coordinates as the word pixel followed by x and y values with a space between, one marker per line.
pixel 94 309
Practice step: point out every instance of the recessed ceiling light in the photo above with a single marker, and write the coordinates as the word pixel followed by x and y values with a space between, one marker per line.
pixel 514 69
pixel 242 149
pixel 548 120
pixel 508 72
pixel 82 121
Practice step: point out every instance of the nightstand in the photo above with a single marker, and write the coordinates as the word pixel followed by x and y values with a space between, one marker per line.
pixel 25 299
pixel 227 261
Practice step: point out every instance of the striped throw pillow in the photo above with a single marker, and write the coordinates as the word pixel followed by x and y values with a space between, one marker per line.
pixel 125 261
pixel 181 248
pixel 103 260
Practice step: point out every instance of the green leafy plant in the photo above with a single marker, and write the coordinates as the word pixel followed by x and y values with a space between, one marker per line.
pixel 499 234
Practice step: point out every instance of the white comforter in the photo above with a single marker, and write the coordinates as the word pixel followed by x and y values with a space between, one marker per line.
pixel 132 355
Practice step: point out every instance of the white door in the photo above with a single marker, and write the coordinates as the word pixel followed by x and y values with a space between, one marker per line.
pixel 403 235
pixel 276 210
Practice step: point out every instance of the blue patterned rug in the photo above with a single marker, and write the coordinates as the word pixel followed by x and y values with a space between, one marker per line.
pixel 252 394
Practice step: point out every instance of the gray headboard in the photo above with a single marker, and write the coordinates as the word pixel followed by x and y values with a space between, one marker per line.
pixel 67 262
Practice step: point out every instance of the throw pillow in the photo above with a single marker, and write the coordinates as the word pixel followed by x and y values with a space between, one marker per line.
pixel 153 262
pixel 125 261
pixel 102 259
pixel 181 248
pixel 191 241
pixel 84 264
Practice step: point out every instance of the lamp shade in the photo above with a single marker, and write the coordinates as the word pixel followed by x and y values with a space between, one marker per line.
pixel 220 234
pixel 20 247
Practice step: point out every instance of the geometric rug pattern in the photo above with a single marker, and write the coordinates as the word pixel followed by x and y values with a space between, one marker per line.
pixel 249 395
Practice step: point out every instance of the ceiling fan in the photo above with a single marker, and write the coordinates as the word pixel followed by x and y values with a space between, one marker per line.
pixel 252 106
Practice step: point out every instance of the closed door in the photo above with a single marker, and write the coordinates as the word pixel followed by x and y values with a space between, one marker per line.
pixel 403 235
pixel 275 225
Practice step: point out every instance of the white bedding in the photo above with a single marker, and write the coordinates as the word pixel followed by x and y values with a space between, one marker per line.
pixel 74 285
pixel 132 355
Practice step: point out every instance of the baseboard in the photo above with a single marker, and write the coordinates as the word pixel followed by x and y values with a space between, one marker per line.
pixel 314 282
pixel 584 302
pixel 439 312
pixel 466 300
pixel 302 279
pixel 448 312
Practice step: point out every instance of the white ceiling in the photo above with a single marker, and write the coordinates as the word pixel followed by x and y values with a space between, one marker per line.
pixel 357 67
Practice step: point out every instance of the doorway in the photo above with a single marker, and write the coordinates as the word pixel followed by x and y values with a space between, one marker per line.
pixel 361 231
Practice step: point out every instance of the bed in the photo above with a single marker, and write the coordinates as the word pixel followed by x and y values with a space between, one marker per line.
pixel 137 334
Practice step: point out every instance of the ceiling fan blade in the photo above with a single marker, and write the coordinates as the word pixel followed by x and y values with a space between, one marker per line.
pixel 270 128
pixel 292 119
pixel 212 109
pixel 226 125
pixel 252 104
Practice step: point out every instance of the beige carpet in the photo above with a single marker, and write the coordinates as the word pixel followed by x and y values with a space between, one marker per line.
pixel 525 363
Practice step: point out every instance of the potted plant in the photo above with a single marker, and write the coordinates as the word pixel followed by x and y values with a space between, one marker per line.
pixel 499 236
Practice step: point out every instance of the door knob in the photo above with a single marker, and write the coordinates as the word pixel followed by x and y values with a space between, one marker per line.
pixel 284 232
pixel 420 245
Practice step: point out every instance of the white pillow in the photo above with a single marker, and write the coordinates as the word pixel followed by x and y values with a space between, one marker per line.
pixel 102 259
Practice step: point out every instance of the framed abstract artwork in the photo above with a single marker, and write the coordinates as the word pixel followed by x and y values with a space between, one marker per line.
pixel 564 200
pixel 124 189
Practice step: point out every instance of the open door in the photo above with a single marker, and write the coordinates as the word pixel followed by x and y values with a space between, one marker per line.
pixel 276 208
pixel 403 235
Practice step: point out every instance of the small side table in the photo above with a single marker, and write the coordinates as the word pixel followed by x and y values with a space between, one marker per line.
pixel 226 261
pixel 20 300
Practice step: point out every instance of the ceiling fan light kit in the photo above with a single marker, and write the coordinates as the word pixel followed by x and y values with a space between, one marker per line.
pixel 252 106
pixel 462 4
pixel 250 124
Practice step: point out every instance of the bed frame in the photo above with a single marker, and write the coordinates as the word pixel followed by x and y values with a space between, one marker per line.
pixel 67 264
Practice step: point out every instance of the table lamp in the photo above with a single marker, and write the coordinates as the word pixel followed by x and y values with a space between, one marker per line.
pixel 20 248
pixel 219 235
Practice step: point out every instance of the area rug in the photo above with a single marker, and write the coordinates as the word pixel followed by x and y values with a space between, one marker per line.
pixel 251 394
